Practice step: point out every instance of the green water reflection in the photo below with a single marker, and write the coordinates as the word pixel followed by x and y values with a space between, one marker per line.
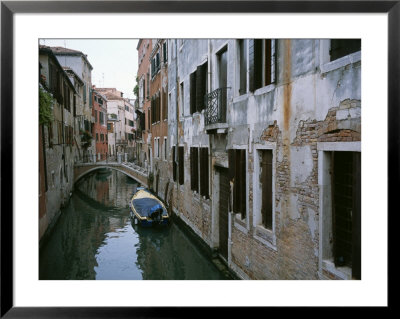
pixel 94 239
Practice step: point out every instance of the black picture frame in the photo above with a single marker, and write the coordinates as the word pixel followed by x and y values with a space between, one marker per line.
pixel 9 8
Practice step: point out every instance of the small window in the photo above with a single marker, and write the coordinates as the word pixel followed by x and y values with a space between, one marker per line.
pixel 342 47
pixel 261 63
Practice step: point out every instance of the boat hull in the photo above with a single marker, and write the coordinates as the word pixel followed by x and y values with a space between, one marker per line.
pixel 146 210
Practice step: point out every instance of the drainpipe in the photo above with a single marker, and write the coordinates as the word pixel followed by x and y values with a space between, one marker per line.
pixel 210 172
pixel 177 118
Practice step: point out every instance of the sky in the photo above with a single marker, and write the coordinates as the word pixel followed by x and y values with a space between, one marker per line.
pixel 114 61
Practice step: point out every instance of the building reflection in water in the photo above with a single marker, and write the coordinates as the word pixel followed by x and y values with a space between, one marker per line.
pixel 94 239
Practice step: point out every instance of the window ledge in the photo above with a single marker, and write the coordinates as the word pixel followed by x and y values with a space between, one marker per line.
pixel 240 98
pixel 264 89
pixel 339 272
pixel 265 236
pixel 341 62
pixel 240 223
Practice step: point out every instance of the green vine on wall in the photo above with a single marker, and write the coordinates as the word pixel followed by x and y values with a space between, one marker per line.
pixel 45 107
pixel 86 139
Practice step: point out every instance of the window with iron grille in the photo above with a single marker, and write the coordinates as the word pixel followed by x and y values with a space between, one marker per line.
pixel 341 47
pixel 237 174
pixel 262 63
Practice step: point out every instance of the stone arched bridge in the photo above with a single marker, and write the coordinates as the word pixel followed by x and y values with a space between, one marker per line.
pixel 136 172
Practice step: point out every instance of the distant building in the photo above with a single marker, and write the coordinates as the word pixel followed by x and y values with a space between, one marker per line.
pixel 159 115
pixel 144 48
pixel 80 65
pixel 100 135
pixel 119 124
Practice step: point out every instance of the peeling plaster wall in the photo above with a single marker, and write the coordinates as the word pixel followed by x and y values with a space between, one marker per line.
pixel 312 101
pixel 304 107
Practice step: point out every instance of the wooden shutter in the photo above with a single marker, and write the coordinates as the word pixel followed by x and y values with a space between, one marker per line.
pixel 194 169
pixel 50 135
pixel 201 81
pixel 266 180
pixel 174 163
pixel 204 171
pixel 192 92
pixel 159 107
pixel 153 110
pixel 258 64
pixel 181 165
pixel 268 62
pixel 251 64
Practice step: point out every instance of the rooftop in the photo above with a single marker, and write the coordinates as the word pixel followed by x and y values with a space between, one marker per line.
pixel 67 51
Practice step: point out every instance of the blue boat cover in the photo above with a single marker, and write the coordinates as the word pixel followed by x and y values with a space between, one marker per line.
pixel 154 208
pixel 146 206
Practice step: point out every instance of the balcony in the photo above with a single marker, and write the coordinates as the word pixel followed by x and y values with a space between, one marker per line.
pixel 215 115
pixel 121 142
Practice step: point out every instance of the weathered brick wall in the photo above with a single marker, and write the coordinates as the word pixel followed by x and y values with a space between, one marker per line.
pixel 193 209
pixel 295 255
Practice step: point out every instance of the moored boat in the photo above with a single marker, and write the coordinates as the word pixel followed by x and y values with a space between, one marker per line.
pixel 147 209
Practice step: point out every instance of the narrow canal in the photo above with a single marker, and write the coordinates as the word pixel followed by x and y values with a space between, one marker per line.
pixel 95 239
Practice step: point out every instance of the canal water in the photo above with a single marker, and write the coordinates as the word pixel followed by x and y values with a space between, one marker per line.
pixel 95 239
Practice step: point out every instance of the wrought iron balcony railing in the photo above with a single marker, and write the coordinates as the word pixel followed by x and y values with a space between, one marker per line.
pixel 122 142
pixel 216 106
